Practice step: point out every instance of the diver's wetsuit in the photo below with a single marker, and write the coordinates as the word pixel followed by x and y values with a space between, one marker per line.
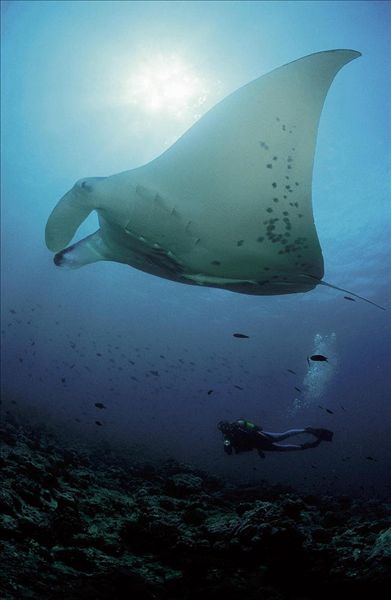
pixel 243 436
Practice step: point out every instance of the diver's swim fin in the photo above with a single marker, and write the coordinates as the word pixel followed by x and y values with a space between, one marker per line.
pixel 322 434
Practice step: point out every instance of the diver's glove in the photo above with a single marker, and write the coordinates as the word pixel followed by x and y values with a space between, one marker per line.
pixel 227 447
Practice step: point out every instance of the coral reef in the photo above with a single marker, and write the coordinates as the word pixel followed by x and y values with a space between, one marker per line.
pixel 79 523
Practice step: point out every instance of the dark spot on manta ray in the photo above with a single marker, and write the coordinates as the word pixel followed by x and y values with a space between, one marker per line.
pixel 275 199
pixel 99 405
pixel 274 184
pixel 269 210
pixel 269 166
pixel 275 157
pixel 240 335
pixel 240 242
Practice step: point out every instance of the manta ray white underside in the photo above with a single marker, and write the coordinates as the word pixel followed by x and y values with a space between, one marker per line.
pixel 229 204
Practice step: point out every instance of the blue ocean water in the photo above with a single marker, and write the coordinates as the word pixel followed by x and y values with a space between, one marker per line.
pixel 75 103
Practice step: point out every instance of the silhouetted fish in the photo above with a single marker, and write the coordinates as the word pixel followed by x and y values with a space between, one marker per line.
pixel 209 392
pixel 290 371
pixel 349 298
pixel 238 387
pixel 298 389
pixel 99 423
pixel 240 335
pixel 99 405
pixel 329 411
pixel 317 358
pixel 370 458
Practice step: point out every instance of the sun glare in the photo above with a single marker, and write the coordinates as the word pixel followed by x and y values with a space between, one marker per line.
pixel 167 85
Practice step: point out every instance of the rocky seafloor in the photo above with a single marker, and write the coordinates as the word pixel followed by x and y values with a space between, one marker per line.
pixel 83 523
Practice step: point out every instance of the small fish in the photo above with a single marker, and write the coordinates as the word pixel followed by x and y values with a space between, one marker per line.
pixel 329 411
pixel 290 371
pixel 238 387
pixel 98 354
pixel 317 358
pixel 298 389
pixel 209 392
pixel 99 423
pixel 349 298
pixel 370 458
pixel 156 373
pixel 63 380
pixel 99 405
pixel 343 408
pixel 13 311
pixel 240 335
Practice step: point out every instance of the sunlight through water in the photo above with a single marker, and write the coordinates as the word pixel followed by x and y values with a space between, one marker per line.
pixel 167 85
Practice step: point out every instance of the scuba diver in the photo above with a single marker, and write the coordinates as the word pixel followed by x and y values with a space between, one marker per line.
pixel 243 436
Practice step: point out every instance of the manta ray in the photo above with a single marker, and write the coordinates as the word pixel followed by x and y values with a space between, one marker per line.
pixel 228 205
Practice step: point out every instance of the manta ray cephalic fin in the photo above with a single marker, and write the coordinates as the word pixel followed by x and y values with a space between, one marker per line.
pixel 89 250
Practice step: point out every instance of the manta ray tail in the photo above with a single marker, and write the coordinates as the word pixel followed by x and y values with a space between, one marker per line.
pixel 334 287
pixel 67 216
